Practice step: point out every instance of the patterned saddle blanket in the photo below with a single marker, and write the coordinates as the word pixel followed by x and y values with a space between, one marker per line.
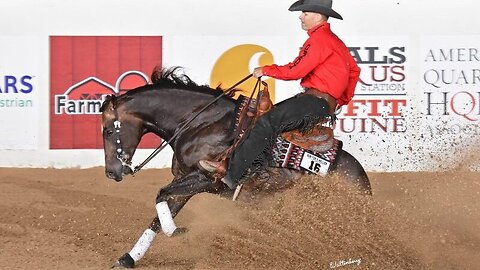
pixel 287 154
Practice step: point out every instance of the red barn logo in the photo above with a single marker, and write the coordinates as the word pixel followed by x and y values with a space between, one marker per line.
pixel 84 70
pixel 85 97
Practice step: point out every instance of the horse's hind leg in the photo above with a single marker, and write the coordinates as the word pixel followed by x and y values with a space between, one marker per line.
pixel 351 170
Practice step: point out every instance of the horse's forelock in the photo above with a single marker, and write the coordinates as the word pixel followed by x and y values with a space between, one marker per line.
pixel 108 100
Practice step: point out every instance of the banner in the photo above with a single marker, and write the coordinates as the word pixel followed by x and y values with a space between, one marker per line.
pixel 376 123
pixel 449 99
pixel 19 108
pixel 223 61
pixel 83 71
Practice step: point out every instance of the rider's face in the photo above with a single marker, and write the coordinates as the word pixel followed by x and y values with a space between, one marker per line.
pixel 310 19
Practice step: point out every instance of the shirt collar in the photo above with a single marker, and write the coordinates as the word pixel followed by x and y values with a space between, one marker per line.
pixel 321 25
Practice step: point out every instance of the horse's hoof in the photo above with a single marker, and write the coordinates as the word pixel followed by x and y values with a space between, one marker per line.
pixel 126 261
pixel 179 231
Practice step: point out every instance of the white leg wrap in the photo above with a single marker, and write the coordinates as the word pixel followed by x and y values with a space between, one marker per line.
pixel 166 219
pixel 142 245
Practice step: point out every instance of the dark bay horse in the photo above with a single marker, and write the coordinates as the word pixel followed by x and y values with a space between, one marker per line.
pixel 161 108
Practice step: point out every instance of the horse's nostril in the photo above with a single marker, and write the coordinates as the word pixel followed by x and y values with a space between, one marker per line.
pixel 114 176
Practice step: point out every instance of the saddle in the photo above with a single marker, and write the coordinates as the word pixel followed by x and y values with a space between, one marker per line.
pixel 319 139
pixel 314 151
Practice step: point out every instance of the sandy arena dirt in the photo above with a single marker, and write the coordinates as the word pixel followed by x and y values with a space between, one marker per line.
pixel 78 219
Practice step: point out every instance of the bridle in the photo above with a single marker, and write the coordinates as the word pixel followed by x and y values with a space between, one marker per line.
pixel 117 126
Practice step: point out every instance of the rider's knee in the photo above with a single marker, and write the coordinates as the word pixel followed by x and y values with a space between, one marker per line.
pixel 264 122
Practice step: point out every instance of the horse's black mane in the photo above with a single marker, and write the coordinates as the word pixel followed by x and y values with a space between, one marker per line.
pixel 169 78
pixel 174 77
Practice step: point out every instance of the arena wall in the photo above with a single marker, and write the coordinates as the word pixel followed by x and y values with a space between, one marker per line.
pixel 417 107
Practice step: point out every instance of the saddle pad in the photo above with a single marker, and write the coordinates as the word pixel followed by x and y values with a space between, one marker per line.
pixel 286 154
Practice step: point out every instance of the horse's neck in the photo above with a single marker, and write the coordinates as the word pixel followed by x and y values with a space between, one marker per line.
pixel 166 110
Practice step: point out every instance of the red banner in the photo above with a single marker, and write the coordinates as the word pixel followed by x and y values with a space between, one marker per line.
pixel 83 70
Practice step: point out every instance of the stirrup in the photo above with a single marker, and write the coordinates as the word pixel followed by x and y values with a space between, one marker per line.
pixel 237 192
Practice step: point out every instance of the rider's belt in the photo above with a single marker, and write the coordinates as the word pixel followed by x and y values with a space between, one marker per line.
pixel 332 102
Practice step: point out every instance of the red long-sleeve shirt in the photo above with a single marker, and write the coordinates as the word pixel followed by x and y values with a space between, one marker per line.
pixel 324 63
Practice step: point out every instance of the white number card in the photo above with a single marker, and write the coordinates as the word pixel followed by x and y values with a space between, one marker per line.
pixel 315 164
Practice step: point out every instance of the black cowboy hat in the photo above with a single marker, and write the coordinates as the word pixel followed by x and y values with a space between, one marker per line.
pixel 319 6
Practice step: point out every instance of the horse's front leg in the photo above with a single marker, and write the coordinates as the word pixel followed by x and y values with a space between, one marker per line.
pixel 170 200
pixel 146 239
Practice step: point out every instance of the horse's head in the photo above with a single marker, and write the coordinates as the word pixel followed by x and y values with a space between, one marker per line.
pixel 122 132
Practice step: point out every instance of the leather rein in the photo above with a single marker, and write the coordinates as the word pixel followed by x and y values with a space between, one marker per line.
pixel 117 126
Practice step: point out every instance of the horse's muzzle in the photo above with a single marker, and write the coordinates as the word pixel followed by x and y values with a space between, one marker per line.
pixel 114 176
pixel 118 173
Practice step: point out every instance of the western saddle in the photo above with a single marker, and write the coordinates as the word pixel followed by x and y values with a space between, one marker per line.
pixel 319 139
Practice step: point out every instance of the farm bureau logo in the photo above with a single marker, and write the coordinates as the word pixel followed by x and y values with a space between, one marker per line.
pixel 380 98
pixel 14 89
pixel 87 96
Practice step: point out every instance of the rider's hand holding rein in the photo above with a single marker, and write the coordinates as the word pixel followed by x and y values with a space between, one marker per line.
pixel 258 72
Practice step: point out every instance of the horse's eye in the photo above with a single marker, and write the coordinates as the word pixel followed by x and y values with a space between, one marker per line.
pixel 108 132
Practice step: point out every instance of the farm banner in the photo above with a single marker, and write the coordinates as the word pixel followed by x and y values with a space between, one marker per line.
pixel 83 71
pixel 409 106
pixel 19 100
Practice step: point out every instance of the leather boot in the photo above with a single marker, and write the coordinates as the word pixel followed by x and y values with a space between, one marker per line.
pixel 227 181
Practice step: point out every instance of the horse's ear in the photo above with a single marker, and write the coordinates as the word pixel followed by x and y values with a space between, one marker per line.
pixel 108 100
pixel 157 74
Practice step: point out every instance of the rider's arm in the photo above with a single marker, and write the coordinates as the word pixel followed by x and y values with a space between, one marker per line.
pixel 311 55
pixel 354 74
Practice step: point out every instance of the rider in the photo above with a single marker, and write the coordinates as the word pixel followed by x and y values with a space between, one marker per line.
pixel 328 75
